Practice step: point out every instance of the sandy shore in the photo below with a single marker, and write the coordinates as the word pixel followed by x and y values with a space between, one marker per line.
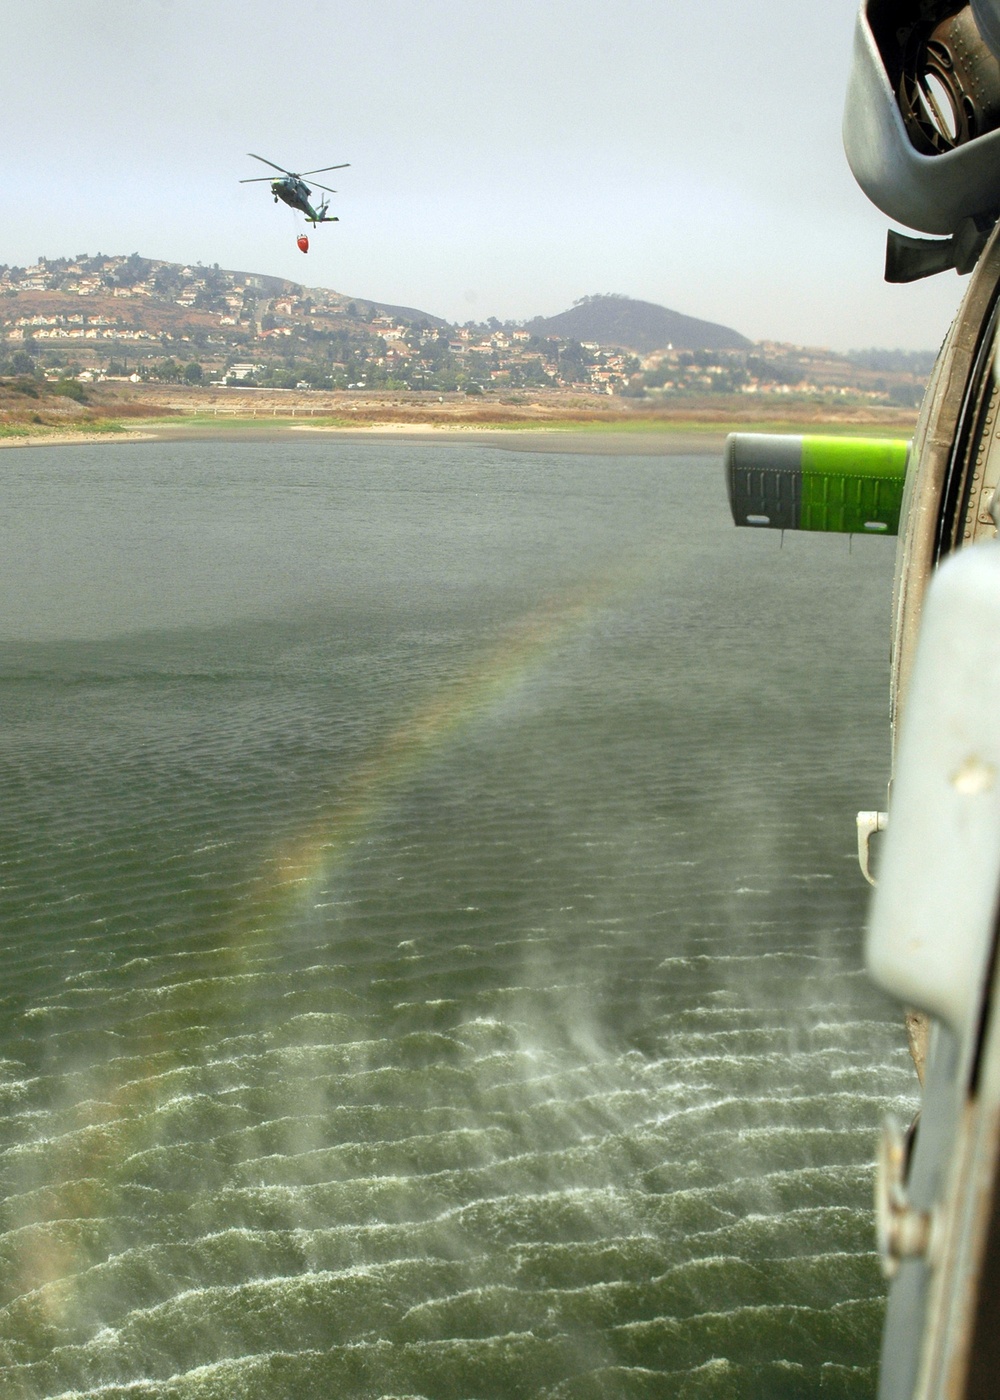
pixel 602 443
pixel 73 439
pixel 699 434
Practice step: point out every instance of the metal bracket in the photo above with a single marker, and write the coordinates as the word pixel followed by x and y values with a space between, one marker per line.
pixel 902 1231
pixel 909 259
pixel 868 824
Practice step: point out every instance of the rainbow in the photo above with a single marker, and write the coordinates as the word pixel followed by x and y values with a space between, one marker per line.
pixel 116 1122
pixel 299 872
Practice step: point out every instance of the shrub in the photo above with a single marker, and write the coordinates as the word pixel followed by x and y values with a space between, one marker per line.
pixel 70 389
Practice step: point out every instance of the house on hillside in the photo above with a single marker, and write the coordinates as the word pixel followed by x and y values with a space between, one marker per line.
pixel 240 372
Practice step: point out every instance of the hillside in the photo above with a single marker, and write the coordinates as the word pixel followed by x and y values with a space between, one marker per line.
pixel 641 326
pixel 152 287
pixel 117 317
pixel 91 319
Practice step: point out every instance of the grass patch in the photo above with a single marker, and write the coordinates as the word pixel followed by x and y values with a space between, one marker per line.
pixel 825 427
pixel 99 425
pixel 484 424
pixel 211 420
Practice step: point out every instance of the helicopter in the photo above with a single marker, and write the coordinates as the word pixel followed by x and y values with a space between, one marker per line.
pixel 293 190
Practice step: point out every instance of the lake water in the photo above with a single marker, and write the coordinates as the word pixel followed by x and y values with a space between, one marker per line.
pixel 432 929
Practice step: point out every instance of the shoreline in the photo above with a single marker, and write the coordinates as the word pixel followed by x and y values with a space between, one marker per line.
pixel 73 439
pixel 551 422
pixel 529 437
pixel 658 438
pixel 606 443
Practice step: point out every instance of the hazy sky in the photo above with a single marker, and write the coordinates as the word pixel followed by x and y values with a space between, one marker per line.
pixel 507 156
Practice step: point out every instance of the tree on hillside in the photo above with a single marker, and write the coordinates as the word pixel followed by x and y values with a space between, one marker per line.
pixel 600 296
pixel 166 280
pixel 131 272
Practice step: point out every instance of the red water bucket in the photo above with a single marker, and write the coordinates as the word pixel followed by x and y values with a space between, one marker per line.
pixel 303 242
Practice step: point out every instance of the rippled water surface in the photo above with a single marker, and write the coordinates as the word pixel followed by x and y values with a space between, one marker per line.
pixel 431 930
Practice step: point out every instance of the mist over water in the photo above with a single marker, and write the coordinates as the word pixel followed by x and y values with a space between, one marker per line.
pixel 432 930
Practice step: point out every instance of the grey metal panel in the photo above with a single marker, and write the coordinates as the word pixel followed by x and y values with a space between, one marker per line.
pixel 764 480
pixel 986 13
pixel 932 943
pixel 906 1326
pixel 934 912
pixel 929 193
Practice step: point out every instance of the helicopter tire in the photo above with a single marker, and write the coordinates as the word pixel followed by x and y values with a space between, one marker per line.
pixel 943 508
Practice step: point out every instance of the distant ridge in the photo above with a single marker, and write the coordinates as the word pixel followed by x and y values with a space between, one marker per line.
pixel 282 286
pixel 400 313
pixel 623 323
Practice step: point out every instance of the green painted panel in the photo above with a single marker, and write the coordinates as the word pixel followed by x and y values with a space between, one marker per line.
pixel 852 485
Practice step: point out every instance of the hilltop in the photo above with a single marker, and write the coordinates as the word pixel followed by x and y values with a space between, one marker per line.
pixel 640 326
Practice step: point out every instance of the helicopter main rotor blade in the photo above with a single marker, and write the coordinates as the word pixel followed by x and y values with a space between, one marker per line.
pixel 324 168
pixel 256 179
pixel 324 187
pixel 273 166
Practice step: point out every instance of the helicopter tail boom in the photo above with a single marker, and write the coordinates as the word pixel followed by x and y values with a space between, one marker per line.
pixel 320 216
